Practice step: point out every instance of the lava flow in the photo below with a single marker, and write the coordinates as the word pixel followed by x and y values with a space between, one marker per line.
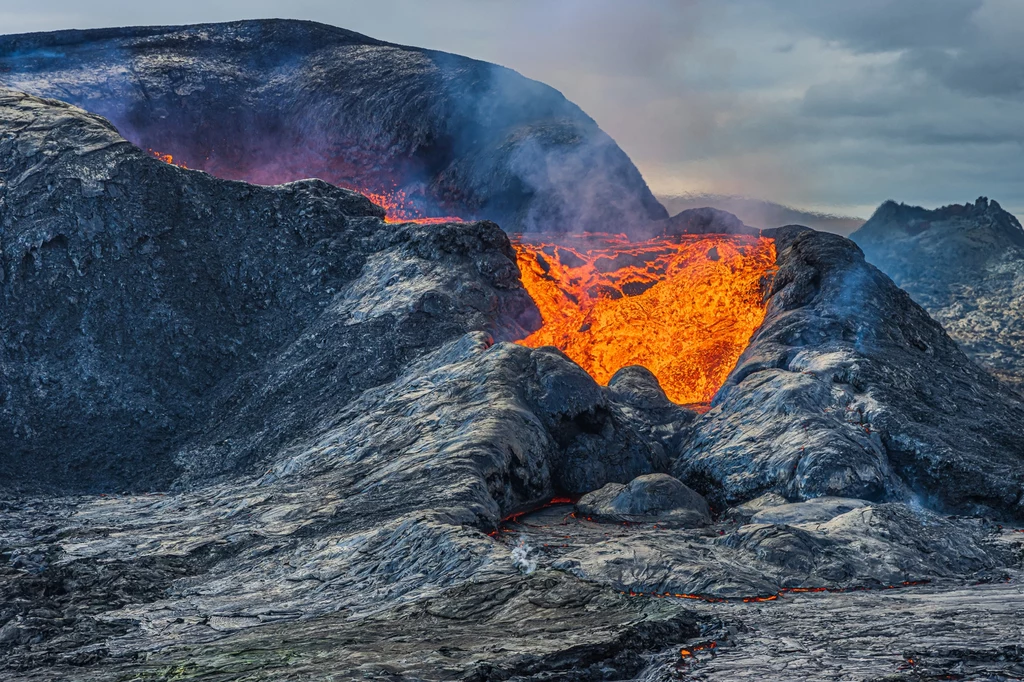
pixel 398 206
pixel 399 209
pixel 683 307
pixel 168 158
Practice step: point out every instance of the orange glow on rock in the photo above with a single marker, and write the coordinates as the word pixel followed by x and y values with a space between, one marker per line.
pixel 397 206
pixel 167 158
pixel 399 209
pixel 683 307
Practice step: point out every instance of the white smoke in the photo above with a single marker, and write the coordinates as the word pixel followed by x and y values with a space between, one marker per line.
pixel 521 558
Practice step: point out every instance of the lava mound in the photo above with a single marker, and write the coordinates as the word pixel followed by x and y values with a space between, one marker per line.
pixel 426 133
pixel 150 310
pixel 165 325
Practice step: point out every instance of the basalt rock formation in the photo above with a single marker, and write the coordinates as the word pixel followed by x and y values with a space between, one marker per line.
pixel 850 389
pixel 273 101
pixel 313 382
pixel 653 498
pixel 965 265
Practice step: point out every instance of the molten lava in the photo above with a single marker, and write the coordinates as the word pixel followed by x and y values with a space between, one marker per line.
pixel 683 307
pixel 167 158
pixel 399 209
pixel 397 205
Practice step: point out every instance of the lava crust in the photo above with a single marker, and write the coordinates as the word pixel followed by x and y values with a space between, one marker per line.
pixel 252 431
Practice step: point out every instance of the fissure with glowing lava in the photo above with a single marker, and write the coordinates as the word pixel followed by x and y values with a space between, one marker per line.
pixel 684 307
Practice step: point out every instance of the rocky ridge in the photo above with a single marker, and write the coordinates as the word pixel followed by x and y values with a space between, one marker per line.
pixel 965 265
pixel 272 101
pixel 850 389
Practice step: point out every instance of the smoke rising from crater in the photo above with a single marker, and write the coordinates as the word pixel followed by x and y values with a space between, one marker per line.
pixel 817 107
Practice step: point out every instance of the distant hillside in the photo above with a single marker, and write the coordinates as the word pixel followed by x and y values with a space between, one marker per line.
pixel 761 213
pixel 964 263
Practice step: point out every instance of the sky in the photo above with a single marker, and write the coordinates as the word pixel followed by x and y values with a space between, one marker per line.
pixel 833 105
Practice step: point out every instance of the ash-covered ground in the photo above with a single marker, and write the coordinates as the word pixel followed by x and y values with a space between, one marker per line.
pixel 256 432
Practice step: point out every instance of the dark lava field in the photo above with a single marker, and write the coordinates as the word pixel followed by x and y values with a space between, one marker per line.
pixel 264 414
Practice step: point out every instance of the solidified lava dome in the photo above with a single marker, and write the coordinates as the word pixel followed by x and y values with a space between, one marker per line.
pixel 327 358
pixel 683 307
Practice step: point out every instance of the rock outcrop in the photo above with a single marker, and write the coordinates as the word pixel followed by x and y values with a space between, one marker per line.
pixel 272 101
pixel 146 306
pixel 307 381
pixel 705 220
pixel 654 498
pixel 964 264
pixel 849 389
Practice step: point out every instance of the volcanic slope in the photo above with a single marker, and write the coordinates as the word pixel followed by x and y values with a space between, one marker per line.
pixel 324 384
pixel 849 388
pixel 965 265
pixel 339 448
pixel 270 101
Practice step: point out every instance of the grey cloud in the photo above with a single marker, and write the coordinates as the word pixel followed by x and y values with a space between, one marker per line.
pixel 978 71
pixel 885 25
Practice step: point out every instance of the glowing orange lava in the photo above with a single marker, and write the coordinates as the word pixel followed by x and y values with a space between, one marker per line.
pixel 683 307
pixel 167 158
pixel 399 209
pixel 397 206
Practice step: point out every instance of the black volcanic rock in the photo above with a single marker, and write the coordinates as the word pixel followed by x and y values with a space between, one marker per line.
pixel 162 325
pixel 638 395
pixel 145 306
pixel 705 220
pixel 272 101
pixel 301 372
pixel 965 265
pixel 654 498
pixel 362 479
pixel 850 389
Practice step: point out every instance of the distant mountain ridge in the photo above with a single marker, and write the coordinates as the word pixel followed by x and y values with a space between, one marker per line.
pixel 964 263
pixel 762 213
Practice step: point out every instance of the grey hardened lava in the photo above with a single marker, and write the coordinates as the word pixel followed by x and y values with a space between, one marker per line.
pixel 964 263
pixel 258 432
pixel 849 388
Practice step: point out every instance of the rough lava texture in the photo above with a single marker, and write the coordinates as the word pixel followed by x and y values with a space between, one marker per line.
pixel 346 454
pixel 639 396
pixel 869 546
pixel 965 265
pixel 817 510
pixel 849 389
pixel 158 320
pixel 257 432
pixel 271 101
pixel 653 498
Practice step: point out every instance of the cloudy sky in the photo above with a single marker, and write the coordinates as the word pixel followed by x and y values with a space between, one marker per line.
pixel 822 104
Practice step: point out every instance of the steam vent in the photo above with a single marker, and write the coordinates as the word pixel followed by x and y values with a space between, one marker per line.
pixel 328 358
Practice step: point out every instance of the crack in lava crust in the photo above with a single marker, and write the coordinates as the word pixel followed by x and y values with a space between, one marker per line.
pixel 684 307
